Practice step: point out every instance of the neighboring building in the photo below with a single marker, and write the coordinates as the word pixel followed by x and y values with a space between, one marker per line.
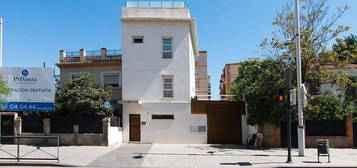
pixel 351 70
pixel 230 73
pixel 104 67
pixel 159 42
pixel 203 86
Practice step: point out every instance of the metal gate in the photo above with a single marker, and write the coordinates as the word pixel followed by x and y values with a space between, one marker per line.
pixel 30 148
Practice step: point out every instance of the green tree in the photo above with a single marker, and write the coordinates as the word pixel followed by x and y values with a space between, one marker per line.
pixel 328 107
pixel 257 83
pixel 4 91
pixel 346 49
pixel 81 96
pixel 318 28
pixel 259 79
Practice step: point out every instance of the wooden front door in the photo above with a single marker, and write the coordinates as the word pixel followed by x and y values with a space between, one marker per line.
pixel 134 121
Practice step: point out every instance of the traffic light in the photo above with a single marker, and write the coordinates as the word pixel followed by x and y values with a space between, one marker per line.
pixel 281 95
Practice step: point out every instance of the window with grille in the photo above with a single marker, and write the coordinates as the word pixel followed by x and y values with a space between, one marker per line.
pixel 168 86
pixel 167 48
pixel 111 79
pixel 78 74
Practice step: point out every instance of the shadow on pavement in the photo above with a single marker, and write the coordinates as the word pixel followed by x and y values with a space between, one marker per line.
pixel 125 156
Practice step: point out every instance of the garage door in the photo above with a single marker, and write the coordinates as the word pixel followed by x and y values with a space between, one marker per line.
pixel 224 124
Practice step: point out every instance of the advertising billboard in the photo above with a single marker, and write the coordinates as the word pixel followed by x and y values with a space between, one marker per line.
pixel 32 89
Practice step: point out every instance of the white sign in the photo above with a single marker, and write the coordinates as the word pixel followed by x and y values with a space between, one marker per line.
pixel 32 89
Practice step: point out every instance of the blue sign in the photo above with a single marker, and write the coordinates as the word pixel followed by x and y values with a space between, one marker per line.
pixel 28 106
pixel 106 104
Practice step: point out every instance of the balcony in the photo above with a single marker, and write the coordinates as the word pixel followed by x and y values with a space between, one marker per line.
pixel 90 56
pixel 156 4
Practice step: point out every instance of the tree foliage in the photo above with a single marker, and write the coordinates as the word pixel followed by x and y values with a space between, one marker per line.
pixel 318 28
pixel 346 49
pixel 258 80
pixel 4 90
pixel 328 107
pixel 81 96
pixel 257 83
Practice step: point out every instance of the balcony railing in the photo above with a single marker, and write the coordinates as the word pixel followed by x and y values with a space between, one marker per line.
pixel 156 4
pixel 93 53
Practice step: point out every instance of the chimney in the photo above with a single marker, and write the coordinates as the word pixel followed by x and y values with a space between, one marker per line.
pixel 82 54
pixel 62 54
pixel 103 52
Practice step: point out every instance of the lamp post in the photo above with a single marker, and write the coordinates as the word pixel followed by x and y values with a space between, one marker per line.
pixel 301 130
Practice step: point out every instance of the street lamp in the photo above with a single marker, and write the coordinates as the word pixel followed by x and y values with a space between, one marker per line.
pixel 301 130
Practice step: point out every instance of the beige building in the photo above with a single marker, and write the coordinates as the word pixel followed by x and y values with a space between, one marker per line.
pixel 202 79
pixel 230 73
pixel 104 67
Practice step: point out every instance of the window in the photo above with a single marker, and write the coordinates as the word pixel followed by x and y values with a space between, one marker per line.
pixel 111 79
pixel 167 48
pixel 78 74
pixel 200 128
pixel 138 39
pixel 162 117
pixel 168 86
pixel 233 69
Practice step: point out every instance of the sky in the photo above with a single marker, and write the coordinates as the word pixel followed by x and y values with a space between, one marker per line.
pixel 230 30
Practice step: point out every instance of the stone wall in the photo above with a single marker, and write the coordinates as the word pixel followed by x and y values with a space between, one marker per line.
pixel 271 135
pixel 110 135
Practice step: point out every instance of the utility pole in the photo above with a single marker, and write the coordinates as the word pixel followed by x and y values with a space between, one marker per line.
pixel 0 42
pixel 301 129
pixel 0 65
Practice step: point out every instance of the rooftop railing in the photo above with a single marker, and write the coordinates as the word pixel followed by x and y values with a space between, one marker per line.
pixel 156 4
pixel 73 54
pixel 92 53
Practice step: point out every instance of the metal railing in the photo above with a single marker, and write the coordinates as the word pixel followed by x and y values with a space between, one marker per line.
pixel 93 53
pixel 114 52
pixel 156 4
pixel 15 149
pixel 73 54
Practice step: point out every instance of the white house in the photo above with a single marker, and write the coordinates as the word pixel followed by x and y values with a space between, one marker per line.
pixel 159 43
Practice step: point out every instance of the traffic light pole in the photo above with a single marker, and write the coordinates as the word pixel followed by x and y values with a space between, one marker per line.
pixel 288 80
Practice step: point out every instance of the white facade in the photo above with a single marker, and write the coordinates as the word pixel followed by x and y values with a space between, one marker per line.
pixel 143 68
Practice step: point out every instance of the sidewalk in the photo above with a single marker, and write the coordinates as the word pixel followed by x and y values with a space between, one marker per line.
pixel 195 156
pixel 68 155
